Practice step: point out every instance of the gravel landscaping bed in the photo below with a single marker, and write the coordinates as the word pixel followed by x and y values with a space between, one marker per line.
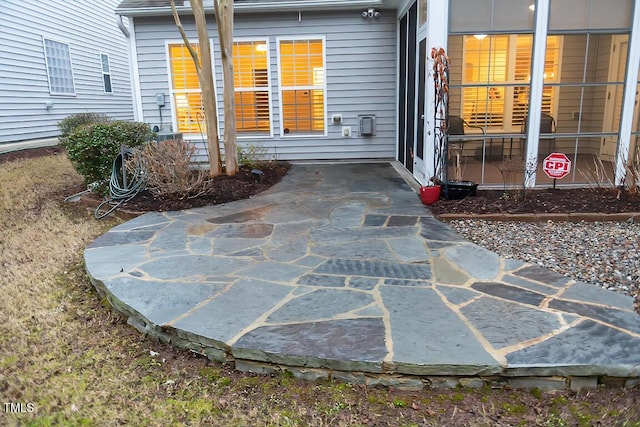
pixel 606 254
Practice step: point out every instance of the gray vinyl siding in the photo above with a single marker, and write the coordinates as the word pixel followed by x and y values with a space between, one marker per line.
pixel 360 75
pixel 89 28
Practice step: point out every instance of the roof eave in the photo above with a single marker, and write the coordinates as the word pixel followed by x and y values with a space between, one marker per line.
pixel 263 7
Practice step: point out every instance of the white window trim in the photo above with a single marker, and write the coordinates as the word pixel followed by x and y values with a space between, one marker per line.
pixel 172 90
pixel 324 88
pixel 46 62
pixel 134 66
pixel 269 86
pixel 110 74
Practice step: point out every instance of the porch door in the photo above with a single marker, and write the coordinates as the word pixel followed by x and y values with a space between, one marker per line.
pixel 418 161
pixel 407 87
pixel 613 107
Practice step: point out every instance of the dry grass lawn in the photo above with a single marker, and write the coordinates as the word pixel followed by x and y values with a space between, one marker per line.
pixel 67 359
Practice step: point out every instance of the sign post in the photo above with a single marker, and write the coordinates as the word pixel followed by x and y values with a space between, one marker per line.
pixel 556 166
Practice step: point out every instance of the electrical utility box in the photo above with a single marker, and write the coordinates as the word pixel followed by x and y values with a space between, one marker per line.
pixel 160 99
pixel 367 124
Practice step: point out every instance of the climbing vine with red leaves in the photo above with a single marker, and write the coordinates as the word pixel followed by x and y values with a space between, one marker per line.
pixel 441 114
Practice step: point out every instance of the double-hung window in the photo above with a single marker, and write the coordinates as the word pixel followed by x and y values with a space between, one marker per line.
pixel 252 87
pixel 106 73
pixel 59 69
pixel 496 79
pixel 185 90
pixel 302 86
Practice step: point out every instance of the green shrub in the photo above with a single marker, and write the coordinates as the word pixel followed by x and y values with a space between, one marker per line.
pixel 70 123
pixel 93 148
pixel 252 156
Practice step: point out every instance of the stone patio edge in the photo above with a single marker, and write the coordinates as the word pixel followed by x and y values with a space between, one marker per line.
pixel 399 375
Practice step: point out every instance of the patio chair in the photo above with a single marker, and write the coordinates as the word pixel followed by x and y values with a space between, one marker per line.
pixel 547 126
pixel 456 127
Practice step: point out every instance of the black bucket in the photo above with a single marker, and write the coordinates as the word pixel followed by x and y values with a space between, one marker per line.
pixel 456 190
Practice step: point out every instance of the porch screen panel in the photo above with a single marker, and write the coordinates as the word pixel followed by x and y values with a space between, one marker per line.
pixel 483 16
pixel 523 71
pixel 185 90
pixel 595 36
pixel 485 62
pixel 496 79
pixel 590 14
pixel 252 88
pixel 302 86
pixel 635 130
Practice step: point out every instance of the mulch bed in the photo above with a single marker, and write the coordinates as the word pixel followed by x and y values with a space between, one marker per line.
pixel 225 189
pixel 581 200
pixel 222 189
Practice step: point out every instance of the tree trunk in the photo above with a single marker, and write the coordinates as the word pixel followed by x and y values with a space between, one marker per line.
pixel 224 20
pixel 205 78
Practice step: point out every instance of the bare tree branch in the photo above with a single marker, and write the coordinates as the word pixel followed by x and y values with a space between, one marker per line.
pixel 204 70
pixel 187 43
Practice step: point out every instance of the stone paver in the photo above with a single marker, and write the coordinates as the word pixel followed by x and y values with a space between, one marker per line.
pixel 341 269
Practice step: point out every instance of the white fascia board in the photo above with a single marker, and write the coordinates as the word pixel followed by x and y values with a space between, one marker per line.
pixel 268 6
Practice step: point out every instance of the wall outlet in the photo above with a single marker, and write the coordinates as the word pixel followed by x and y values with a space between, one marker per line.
pixel 346 131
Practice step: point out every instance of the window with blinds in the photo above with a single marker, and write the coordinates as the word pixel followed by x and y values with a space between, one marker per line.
pixel 496 80
pixel 302 86
pixel 252 87
pixel 185 90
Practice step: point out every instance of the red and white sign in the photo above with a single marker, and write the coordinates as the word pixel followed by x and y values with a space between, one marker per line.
pixel 556 165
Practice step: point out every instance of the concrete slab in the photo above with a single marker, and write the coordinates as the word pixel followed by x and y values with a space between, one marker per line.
pixel 28 144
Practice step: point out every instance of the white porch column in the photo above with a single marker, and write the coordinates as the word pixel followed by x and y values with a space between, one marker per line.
pixel 541 25
pixel 630 87
pixel 437 34
pixel 136 93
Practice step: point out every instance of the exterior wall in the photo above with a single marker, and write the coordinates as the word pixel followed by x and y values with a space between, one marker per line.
pixel 90 29
pixel 360 75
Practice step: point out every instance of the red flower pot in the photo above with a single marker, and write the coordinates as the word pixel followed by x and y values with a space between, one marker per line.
pixel 429 195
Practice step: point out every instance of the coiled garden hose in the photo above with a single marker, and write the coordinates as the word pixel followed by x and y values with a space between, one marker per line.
pixel 123 185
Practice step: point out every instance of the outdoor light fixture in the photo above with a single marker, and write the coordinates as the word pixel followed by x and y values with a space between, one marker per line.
pixel 370 13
